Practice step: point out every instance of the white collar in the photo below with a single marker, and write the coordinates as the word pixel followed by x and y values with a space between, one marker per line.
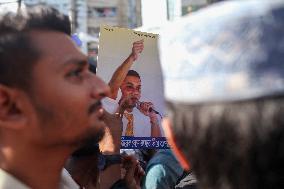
pixel 8 181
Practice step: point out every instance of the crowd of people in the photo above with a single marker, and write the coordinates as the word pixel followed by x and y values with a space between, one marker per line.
pixel 224 96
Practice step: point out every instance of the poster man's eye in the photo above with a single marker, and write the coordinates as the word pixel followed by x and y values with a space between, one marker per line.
pixel 129 87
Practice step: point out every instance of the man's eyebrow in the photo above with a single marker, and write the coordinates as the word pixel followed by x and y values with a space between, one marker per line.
pixel 129 83
pixel 76 61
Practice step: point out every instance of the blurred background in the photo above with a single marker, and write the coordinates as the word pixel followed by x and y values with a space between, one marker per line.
pixel 87 15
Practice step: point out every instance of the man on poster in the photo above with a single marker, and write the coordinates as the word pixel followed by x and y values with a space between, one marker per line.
pixel 139 119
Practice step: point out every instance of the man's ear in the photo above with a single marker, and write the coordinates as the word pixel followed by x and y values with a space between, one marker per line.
pixel 11 108
pixel 167 126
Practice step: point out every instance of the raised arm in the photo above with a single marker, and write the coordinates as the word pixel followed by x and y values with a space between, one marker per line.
pixel 120 73
pixel 110 145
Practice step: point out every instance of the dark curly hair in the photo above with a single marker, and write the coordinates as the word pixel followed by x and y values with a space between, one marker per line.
pixel 233 145
pixel 133 73
pixel 17 54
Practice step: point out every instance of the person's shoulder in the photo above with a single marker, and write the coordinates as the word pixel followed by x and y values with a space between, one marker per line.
pixel 187 181
pixel 156 177
pixel 67 181
pixel 8 181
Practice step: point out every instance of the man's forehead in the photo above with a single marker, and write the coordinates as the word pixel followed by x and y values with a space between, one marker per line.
pixel 132 80
pixel 56 45
pixel 50 41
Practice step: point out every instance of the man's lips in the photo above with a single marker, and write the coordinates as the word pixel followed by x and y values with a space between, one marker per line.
pixel 95 107
pixel 134 99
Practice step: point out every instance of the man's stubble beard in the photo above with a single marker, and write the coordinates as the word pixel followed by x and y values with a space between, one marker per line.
pixel 47 118
pixel 93 138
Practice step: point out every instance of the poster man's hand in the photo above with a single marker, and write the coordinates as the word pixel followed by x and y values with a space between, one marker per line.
pixel 144 107
pixel 137 48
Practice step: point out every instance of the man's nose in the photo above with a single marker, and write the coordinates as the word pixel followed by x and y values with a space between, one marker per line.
pixel 136 92
pixel 99 88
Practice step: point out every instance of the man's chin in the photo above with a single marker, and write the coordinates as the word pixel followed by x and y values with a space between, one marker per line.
pixel 93 138
pixel 132 104
pixel 89 145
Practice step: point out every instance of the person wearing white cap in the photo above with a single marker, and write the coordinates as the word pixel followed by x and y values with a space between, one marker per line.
pixel 225 93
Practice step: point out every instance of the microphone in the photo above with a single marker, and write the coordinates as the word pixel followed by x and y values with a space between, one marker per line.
pixel 138 104
pixel 153 110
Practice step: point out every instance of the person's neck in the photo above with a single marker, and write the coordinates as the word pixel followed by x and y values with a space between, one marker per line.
pixel 129 110
pixel 37 168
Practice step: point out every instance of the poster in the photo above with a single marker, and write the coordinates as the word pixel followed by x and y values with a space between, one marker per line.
pixel 129 61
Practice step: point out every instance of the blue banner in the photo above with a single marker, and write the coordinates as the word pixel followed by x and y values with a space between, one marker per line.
pixel 144 143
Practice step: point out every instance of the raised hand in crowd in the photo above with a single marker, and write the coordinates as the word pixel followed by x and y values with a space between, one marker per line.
pixel 134 172
pixel 111 140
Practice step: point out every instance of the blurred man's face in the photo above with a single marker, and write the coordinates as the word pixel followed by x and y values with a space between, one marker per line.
pixel 131 90
pixel 65 95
